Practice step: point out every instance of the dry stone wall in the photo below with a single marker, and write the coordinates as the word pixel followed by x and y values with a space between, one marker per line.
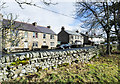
pixel 41 60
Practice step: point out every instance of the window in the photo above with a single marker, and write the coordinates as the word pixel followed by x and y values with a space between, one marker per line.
pixel 52 43
pixel 35 44
pixel 76 37
pixel 35 35
pixel 44 42
pixel 51 36
pixel 14 44
pixel 71 37
pixel 26 34
pixel 44 35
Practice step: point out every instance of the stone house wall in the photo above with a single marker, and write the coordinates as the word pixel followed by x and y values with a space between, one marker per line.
pixel 63 37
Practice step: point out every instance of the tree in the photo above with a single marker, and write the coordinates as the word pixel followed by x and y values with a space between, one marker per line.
pixel 2 5
pixel 10 33
pixel 95 15
pixel 31 3
pixel 115 22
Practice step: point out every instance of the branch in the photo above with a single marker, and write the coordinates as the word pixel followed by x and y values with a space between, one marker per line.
pixel 32 4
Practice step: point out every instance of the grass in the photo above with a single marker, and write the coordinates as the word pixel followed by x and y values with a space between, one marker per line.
pixel 102 70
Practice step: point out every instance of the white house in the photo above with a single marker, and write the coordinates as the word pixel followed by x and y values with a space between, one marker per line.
pixel 96 39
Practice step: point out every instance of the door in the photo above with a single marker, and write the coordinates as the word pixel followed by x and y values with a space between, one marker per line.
pixel 25 44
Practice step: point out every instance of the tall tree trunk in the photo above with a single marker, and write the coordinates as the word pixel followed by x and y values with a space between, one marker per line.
pixel 108 51
pixel 118 40
pixel 118 35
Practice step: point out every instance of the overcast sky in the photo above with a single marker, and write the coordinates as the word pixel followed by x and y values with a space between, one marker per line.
pixel 44 17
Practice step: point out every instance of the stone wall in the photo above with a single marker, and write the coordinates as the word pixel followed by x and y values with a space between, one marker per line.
pixel 41 60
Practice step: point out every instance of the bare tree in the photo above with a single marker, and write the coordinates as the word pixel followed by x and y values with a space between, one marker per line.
pixel 2 5
pixel 115 22
pixel 31 3
pixel 10 33
pixel 96 15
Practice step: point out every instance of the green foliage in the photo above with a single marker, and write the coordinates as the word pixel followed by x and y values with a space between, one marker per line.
pixel 13 63
pixel 46 69
pixel 18 62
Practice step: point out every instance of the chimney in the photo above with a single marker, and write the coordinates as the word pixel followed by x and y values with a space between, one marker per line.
pixel 77 31
pixel 87 33
pixel 48 27
pixel 34 24
pixel 62 29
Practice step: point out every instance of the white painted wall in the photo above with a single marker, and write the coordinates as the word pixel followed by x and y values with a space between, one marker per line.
pixel 97 40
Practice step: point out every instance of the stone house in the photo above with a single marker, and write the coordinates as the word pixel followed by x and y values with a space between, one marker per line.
pixel 67 36
pixel 31 36
pixel 86 40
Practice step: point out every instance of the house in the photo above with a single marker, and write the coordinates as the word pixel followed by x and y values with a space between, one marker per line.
pixel 86 40
pixel 96 39
pixel 67 36
pixel 92 39
pixel 31 36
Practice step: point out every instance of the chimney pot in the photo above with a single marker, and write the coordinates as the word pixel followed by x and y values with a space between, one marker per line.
pixel 77 31
pixel 34 24
pixel 48 26
pixel 62 28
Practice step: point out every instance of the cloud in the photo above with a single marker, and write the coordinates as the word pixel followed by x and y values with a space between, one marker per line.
pixel 44 17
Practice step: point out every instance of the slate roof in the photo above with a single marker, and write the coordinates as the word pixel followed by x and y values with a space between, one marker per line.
pixel 83 34
pixel 72 32
pixel 30 27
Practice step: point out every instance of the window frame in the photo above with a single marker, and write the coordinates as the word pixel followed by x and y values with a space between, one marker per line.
pixel 35 44
pixel 26 36
pixel 35 35
pixel 44 36
pixel 51 36
pixel 52 43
